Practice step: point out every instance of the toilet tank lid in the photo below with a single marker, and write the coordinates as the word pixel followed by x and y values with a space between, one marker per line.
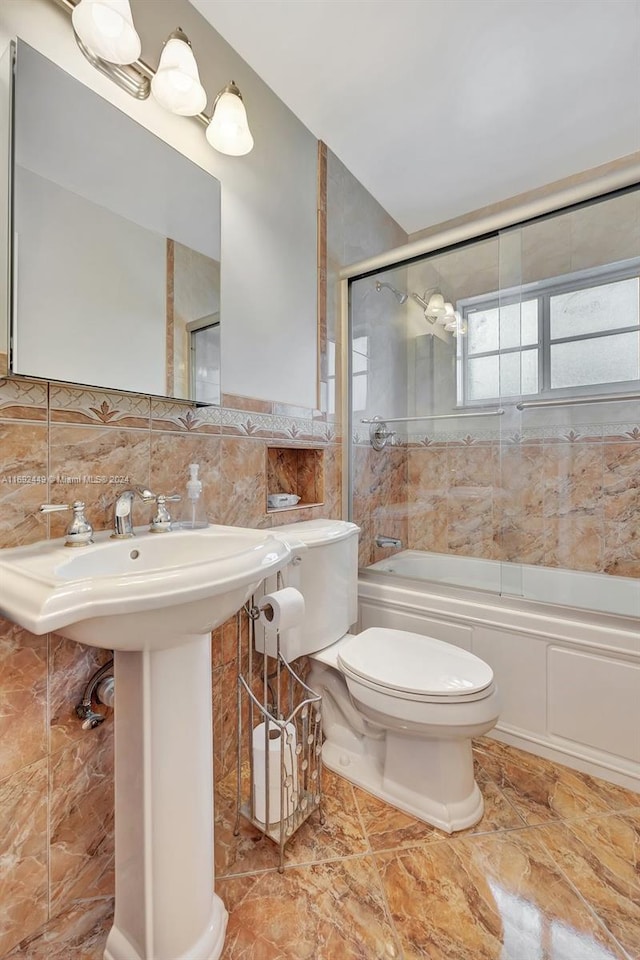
pixel 313 533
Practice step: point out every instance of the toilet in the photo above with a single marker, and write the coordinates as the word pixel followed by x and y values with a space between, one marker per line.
pixel 399 709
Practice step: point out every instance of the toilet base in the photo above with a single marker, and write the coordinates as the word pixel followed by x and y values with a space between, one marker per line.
pixel 443 793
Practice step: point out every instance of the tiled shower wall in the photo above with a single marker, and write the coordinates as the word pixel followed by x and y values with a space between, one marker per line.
pixel 59 443
pixel 568 498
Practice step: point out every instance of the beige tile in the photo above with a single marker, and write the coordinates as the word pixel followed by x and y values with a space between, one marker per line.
pixel 325 912
pixel 573 475
pixel 23 482
pixel 575 543
pixel 78 933
pixel 427 472
pixel 243 481
pixel 601 857
pixel 541 791
pixel 81 819
pixel 621 484
pixel 472 466
pixel 23 854
pixel 621 549
pixel 427 525
pixel 470 523
pixel 498 897
pixel 388 476
pixel 93 464
pixel 23 698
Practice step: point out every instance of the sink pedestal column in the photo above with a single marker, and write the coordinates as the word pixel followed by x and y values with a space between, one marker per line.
pixel 165 905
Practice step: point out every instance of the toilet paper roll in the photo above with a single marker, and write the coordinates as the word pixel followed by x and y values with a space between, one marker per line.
pixel 282 609
pixel 279 747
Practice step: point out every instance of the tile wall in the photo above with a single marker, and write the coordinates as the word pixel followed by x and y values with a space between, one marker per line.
pixel 569 497
pixel 59 443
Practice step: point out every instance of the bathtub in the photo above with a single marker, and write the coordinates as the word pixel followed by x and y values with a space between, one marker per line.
pixel 572 588
pixel 569 677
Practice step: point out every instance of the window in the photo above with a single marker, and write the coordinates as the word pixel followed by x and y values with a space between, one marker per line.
pixel 359 373
pixel 569 336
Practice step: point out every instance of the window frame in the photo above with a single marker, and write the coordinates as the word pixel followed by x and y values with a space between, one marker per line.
pixel 543 291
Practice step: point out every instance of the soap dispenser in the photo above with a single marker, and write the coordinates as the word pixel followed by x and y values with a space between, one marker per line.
pixel 194 514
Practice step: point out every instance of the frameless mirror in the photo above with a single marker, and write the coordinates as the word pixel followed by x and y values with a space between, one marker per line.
pixel 115 246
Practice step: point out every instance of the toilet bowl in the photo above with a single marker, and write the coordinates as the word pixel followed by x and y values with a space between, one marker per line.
pixel 399 709
pixel 399 713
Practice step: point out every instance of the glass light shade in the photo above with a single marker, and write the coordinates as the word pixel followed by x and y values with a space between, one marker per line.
pixel 106 28
pixel 436 307
pixel 448 316
pixel 176 85
pixel 229 130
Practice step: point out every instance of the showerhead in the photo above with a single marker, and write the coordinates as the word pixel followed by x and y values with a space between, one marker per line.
pixel 398 294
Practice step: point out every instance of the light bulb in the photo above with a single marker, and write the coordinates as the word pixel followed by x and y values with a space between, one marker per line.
pixel 106 28
pixel 228 130
pixel 176 85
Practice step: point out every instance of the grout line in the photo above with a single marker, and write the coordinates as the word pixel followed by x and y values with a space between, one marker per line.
pixel 387 909
pixel 304 864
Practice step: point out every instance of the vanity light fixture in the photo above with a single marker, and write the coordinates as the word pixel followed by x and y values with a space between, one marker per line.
pixel 176 85
pixel 106 36
pixel 106 27
pixel 437 310
pixel 228 130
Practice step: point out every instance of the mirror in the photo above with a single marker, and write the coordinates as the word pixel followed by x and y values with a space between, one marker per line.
pixel 116 246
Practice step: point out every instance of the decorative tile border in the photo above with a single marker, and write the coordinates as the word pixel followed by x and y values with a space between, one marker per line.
pixel 240 423
pixel 23 399
pixel 293 428
pixel 179 416
pixel 86 406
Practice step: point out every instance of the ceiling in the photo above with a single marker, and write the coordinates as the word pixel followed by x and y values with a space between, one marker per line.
pixel 440 107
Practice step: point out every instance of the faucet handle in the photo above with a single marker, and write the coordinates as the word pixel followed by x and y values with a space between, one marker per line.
pixel 79 532
pixel 161 522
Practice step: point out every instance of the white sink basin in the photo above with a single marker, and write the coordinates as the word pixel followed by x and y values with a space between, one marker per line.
pixel 149 592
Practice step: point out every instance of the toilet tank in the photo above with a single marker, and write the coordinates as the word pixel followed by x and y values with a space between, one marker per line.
pixel 326 573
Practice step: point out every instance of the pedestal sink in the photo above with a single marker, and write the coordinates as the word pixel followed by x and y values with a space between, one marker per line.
pixel 154 600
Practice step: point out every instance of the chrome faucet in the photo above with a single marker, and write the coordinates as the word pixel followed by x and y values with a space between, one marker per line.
pixel 122 525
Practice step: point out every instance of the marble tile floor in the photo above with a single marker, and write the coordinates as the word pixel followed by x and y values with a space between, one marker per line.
pixel 551 872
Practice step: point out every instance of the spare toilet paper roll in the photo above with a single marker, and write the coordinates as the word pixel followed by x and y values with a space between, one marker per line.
pixel 279 747
pixel 282 609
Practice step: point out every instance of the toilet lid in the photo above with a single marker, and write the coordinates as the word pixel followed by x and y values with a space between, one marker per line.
pixel 411 663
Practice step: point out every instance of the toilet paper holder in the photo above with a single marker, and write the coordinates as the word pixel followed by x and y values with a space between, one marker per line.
pixel 279 744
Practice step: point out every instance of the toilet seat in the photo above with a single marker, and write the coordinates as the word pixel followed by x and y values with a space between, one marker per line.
pixel 413 667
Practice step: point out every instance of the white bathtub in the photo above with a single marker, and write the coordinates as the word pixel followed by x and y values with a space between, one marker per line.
pixel 572 588
pixel 569 677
